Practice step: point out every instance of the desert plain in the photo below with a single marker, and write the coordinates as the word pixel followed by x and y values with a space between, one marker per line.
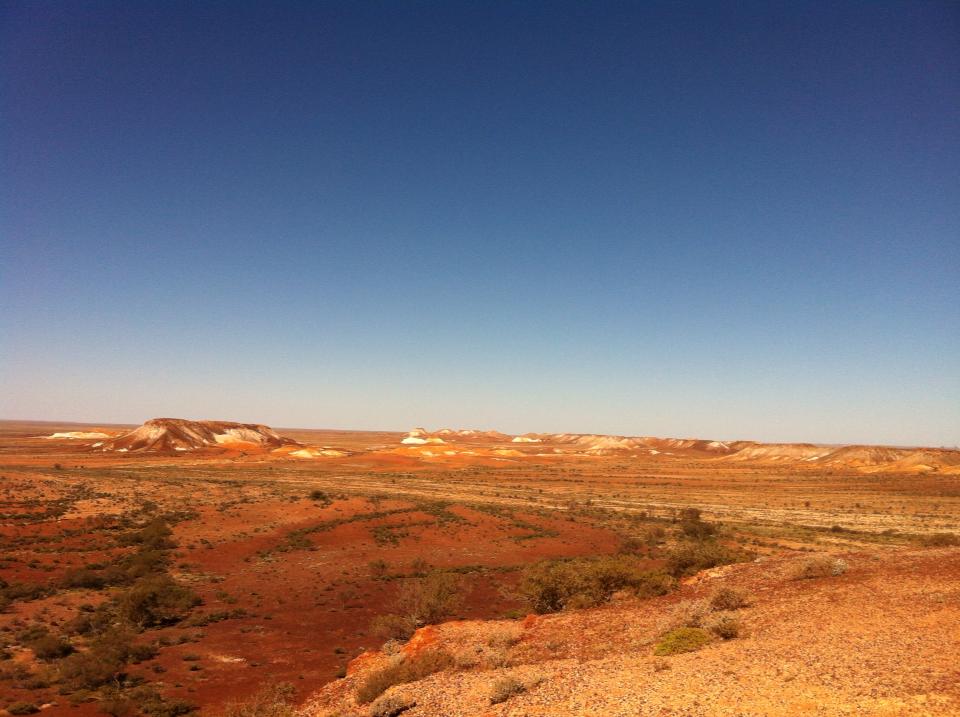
pixel 234 569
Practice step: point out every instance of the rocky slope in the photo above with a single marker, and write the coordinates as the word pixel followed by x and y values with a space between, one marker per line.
pixel 881 639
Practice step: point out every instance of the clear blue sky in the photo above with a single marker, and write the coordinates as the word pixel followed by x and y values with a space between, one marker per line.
pixel 730 220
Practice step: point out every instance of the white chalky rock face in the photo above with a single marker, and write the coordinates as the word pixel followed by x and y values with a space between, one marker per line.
pixel 176 434
pixel 78 435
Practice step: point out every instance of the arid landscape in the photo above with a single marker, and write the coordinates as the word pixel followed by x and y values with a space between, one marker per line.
pixel 372 358
pixel 181 566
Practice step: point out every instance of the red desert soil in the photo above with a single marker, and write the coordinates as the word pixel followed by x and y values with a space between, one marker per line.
pixel 293 573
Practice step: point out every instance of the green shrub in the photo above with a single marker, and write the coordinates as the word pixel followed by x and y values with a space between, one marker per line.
pixel 22 708
pixel 682 639
pixel 411 669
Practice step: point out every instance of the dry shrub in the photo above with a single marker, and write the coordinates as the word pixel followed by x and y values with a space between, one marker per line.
pixel 271 701
pixel 556 585
pixel 391 705
pixel 691 557
pixel 940 540
pixel 505 688
pixel 819 566
pixel 430 599
pixel 729 599
pixel 725 625
pixel 50 647
pixel 391 647
pixel 411 669
pixel 393 627
pixel 504 637
pixel 156 600
pixel 690 613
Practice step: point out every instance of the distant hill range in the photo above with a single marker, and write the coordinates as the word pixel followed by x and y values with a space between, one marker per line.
pixel 178 436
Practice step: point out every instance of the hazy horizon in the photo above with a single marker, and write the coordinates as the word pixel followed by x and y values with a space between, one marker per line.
pixel 729 222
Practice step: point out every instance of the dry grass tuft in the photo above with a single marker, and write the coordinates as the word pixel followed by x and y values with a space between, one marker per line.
pixel 820 566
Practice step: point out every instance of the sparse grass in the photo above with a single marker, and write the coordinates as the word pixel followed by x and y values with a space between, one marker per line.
pixel 680 640
pixel 412 669
pixel 505 688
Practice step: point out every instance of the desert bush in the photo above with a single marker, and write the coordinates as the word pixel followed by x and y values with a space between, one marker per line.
pixel 691 557
pixel 90 623
pixel 728 599
pixel 693 526
pixel 102 663
pixel 428 600
pixel 725 625
pixel 156 600
pixel 84 578
pixel 682 639
pixel 49 647
pixel 819 566
pixel 551 586
pixel 391 705
pixel 393 627
pixel 940 540
pixel 155 535
pixel 690 613
pixel 22 708
pixel 142 700
pixel 138 565
pixel 270 701
pixel 505 688
pixel 412 669
pixel 320 496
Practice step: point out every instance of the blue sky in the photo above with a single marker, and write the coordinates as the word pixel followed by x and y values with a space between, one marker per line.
pixel 729 220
